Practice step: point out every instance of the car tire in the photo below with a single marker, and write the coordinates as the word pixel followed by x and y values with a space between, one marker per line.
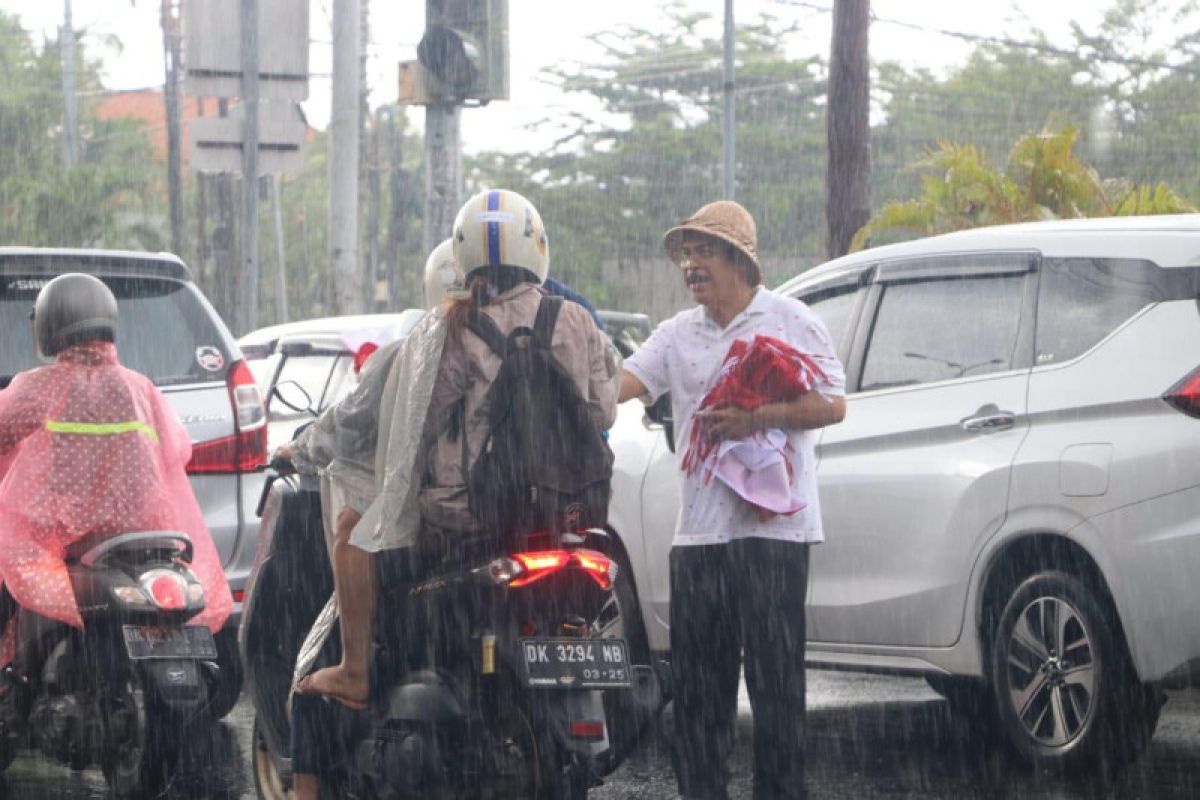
pixel 1065 691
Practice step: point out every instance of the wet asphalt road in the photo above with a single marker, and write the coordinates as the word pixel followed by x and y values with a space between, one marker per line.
pixel 868 737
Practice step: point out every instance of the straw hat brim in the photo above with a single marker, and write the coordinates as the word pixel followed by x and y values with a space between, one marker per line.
pixel 673 240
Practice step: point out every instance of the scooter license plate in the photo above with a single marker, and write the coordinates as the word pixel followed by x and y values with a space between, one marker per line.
pixel 576 663
pixel 159 641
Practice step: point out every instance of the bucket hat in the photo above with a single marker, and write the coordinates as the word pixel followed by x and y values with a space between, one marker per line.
pixel 725 220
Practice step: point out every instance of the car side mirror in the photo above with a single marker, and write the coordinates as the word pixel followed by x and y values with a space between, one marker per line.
pixel 660 414
pixel 294 396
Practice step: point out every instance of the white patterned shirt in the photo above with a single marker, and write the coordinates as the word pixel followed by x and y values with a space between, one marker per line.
pixel 683 356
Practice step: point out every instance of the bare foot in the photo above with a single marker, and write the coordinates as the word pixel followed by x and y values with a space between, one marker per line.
pixel 339 684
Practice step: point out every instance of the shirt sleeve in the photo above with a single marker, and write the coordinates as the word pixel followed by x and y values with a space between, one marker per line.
pixel 604 367
pixel 809 335
pixel 649 364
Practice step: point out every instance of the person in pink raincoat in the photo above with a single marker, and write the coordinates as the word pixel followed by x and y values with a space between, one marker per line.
pixel 89 448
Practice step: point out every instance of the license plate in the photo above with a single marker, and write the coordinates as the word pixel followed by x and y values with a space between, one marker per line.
pixel 576 663
pixel 157 641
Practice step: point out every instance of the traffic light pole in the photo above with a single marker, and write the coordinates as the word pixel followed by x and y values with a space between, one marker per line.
pixel 443 172
pixel 246 302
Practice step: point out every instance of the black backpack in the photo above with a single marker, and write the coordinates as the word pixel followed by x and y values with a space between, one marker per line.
pixel 544 465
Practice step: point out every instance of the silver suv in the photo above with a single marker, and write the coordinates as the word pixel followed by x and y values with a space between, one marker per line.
pixel 1012 506
pixel 168 331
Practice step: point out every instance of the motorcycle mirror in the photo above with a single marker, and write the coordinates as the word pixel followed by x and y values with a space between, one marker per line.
pixel 294 396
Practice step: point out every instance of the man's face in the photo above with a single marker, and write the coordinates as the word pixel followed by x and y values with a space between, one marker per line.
pixel 710 273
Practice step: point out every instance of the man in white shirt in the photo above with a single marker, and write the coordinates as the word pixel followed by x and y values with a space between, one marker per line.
pixel 738 580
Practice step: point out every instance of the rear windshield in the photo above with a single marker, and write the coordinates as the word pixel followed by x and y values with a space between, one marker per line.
pixel 163 332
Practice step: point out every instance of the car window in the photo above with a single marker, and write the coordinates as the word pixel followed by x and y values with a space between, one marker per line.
pixel 163 331
pixel 833 306
pixel 312 373
pixel 1082 300
pixel 936 330
pixel 342 381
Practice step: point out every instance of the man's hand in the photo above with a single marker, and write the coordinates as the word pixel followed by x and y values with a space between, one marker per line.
pixel 729 423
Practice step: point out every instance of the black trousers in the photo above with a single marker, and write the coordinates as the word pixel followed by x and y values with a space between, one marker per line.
pixel 745 596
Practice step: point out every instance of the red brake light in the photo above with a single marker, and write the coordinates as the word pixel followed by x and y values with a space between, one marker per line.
pixel 598 566
pixel 590 729
pixel 169 592
pixel 1185 395
pixel 246 450
pixel 538 565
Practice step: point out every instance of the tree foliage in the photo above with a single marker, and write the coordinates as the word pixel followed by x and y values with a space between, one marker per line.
pixel 102 198
pixel 1044 179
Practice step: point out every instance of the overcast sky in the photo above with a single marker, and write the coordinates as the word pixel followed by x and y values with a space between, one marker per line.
pixel 552 32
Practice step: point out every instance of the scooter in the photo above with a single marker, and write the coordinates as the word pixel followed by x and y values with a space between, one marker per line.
pixel 501 694
pixel 124 692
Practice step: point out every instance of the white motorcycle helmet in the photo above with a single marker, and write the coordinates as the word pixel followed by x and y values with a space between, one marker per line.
pixel 443 275
pixel 499 228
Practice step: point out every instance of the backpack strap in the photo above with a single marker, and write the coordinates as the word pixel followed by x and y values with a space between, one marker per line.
pixel 486 329
pixel 547 316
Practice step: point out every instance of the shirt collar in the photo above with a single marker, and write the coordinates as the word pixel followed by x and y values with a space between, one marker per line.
pixel 757 305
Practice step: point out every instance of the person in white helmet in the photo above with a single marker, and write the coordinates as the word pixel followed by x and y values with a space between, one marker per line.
pixel 440 371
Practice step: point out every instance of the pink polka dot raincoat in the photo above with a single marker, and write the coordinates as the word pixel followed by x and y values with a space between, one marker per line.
pixel 88 447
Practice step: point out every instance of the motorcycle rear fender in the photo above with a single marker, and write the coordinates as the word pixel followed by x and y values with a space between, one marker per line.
pixel 425 696
pixel 556 709
pixel 177 683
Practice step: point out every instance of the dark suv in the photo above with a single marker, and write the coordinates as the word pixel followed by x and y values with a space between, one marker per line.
pixel 168 331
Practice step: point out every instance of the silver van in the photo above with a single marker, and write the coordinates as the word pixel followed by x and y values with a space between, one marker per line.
pixel 168 331
pixel 1012 505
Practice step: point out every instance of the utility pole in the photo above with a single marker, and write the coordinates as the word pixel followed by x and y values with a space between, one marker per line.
pixel 443 172
pixel 847 127
pixel 346 291
pixel 171 60
pixel 396 208
pixel 281 275
pixel 224 235
pixel 71 112
pixel 727 120
pixel 246 301
pixel 374 198
pixel 368 165
pixel 202 250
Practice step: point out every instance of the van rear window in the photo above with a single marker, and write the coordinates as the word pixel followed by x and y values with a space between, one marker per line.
pixel 163 332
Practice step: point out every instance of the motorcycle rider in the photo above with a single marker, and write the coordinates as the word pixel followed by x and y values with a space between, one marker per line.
pixel 500 244
pixel 88 450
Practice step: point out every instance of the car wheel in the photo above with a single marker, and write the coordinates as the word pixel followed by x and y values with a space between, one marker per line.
pixel 1064 688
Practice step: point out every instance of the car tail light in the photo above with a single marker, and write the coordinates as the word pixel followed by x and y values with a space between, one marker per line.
pixel 537 565
pixel 1185 395
pixel 362 354
pixel 246 449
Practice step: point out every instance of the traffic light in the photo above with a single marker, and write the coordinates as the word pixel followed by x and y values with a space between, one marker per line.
pixel 465 49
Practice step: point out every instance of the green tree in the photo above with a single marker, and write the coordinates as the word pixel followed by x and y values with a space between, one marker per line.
pixel 99 201
pixel 1044 179
pixel 647 152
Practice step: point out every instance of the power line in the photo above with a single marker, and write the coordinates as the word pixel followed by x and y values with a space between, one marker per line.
pixel 1005 41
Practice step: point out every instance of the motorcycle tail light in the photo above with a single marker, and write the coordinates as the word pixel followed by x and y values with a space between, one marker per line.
pixel 131 596
pixel 168 590
pixel 535 566
pixel 599 567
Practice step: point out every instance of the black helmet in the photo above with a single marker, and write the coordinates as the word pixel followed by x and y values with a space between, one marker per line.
pixel 70 309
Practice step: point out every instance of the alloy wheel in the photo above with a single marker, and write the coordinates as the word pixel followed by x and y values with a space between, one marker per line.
pixel 1052 671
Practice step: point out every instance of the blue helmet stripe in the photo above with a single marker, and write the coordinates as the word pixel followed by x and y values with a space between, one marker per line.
pixel 493 230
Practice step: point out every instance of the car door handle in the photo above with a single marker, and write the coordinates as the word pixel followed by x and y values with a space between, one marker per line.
pixel 989 419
